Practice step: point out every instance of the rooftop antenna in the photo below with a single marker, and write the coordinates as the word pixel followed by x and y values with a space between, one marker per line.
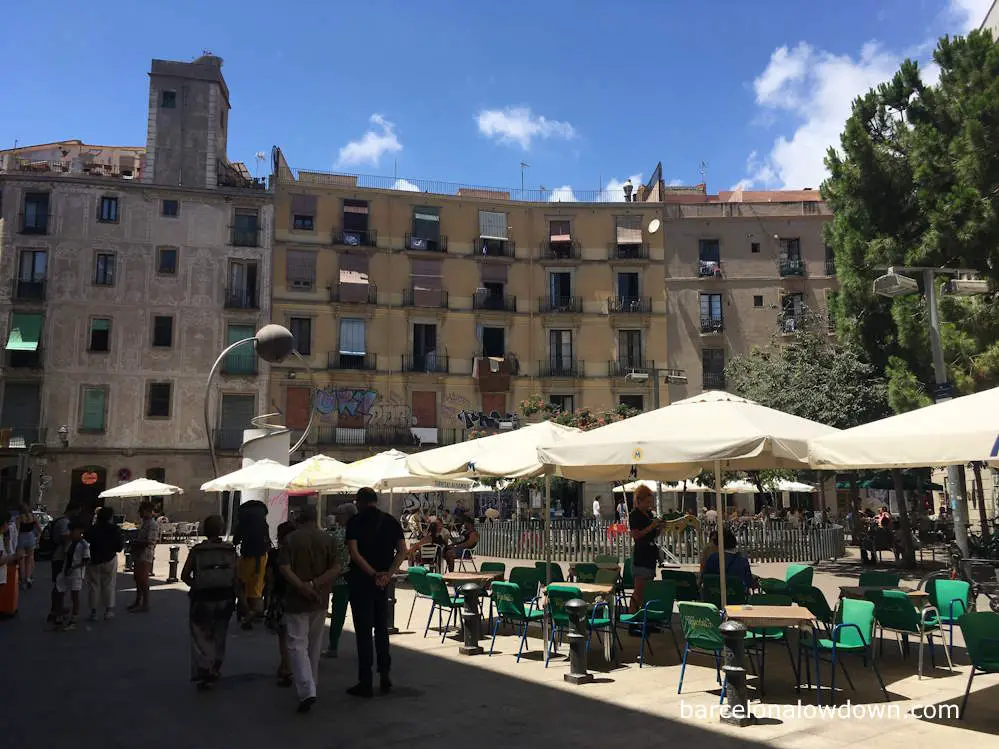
pixel 260 155
pixel 703 169
pixel 523 165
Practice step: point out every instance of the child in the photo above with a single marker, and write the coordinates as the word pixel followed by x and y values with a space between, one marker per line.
pixel 71 577
pixel 275 589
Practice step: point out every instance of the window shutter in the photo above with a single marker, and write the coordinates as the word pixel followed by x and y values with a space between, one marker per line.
pixel 296 408
pixel 629 229
pixel 426 222
pixel 93 409
pixel 426 274
pixel 100 324
pixel 355 206
pixel 495 272
pixel 303 205
pixel 238 333
pixel 300 268
pixel 425 409
pixel 492 225
pixel 352 337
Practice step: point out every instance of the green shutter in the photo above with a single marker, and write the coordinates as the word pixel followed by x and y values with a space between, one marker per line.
pixel 238 333
pixel 25 332
pixel 93 409
pixel 241 360
pixel 100 324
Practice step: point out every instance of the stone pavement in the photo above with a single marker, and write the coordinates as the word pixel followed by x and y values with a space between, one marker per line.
pixel 124 683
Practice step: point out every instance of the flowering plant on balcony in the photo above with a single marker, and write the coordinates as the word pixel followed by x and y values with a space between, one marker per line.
pixel 533 405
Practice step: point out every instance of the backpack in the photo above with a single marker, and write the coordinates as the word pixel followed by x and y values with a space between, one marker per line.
pixel 214 567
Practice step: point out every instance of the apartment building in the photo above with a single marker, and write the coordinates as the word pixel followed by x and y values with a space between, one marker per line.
pixel 125 271
pixel 426 313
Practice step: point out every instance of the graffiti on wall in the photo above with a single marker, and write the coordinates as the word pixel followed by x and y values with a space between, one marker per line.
pixel 482 420
pixel 345 401
pixel 428 504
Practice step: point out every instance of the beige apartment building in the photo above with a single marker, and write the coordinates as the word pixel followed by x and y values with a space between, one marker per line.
pixel 125 271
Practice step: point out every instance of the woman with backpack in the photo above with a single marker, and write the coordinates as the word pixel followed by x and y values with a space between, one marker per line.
pixel 210 572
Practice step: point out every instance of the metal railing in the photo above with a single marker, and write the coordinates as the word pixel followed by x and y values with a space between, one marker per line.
pixel 93 169
pixel 712 324
pixel 558 368
pixel 362 436
pixel 38 223
pixel 789 322
pixel 618 251
pixel 241 298
pixel 24 359
pixel 709 268
pixel 355 238
pixel 422 244
pixel 244 237
pixel 561 304
pixel 432 362
pixel 559 250
pixel 830 267
pixel 713 380
pixel 239 363
pixel 623 367
pixel 495 247
pixel 28 291
pixel 634 305
pixel 20 438
pixel 426 298
pixel 353 293
pixel 494 302
pixel 791 267
pixel 361 362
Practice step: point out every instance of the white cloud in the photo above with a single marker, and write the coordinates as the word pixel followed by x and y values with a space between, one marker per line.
pixel 521 126
pixel 675 182
pixel 405 184
pixel 563 194
pixel 614 191
pixel 370 147
pixel 758 174
pixel 969 14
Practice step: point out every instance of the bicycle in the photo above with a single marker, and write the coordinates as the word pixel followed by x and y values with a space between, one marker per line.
pixel 981 574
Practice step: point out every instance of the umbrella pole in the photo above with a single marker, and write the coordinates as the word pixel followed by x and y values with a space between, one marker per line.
pixel 659 498
pixel 548 529
pixel 721 536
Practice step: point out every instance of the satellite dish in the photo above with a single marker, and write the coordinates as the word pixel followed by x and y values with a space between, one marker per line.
pixel 654 225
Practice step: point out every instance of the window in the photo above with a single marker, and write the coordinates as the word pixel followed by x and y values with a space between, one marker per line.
pixel 162 331
pixel 301 331
pixel 629 231
pixel 93 408
pixel 492 225
pixel 245 228
pixel 104 269
pixel 170 208
pixel 426 233
pixel 627 286
pixel 100 334
pixel 560 288
pixel 754 247
pixel 241 292
pixel 301 222
pixel 352 337
pixel 713 367
pixel 158 399
pixel 108 210
pixel 559 230
pixel 629 349
pixel 31 273
pixel 243 360
pixel 156 474
pixel 758 301
pixel 355 223
pixel 303 212
pixel 792 312
pixel 709 257
pixel 790 248
pixel 300 269
pixel 35 219
pixel 493 342
pixel 166 261
pixel 424 339
pixel 636 402
pixel 562 403
pixel 560 347
pixel 168 99
pixel 711 313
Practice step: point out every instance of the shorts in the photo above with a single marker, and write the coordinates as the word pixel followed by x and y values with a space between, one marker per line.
pixel 642 573
pixel 56 569
pixel 73 582
pixel 26 541
pixel 252 572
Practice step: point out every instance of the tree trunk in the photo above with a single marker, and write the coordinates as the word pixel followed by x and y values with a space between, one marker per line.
pixel 858 523
pixel 908 549
pixel 982 514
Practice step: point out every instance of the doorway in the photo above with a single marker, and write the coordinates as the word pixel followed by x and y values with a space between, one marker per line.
pixel 87 482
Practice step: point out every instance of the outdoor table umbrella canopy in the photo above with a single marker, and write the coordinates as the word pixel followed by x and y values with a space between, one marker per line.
pixel 955 432
pixel 388 470
pixel 264 474
pixel 140 488
pixel 319 471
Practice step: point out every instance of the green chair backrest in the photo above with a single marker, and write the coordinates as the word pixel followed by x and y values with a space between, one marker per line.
pixel 527 578
pixel 628 576
pixel 685 584
pixel 893 609
pixel 700 622
pixel 557 576
pixel 735 590
pixel 769 599
pixel 815 601
pixel 859 612
pixel 558 596
pixel 799 574
pixel 417 577
pixel 493 567
pixel 607 559
pixel 944 593
pixel 606 576
pixel 878 577
pixel 660 596
pixel 437 589
pixel 586 572
pixel 981 637
pixel 508 599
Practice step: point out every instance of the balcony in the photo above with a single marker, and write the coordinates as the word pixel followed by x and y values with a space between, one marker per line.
pixel 28 291
pixel 630 251
pixel 492 376
pixel 20 437
pixel 790 322
pixel 709 268
pixel 422 244
pixel 364 436
pixel 228 440
pixel 244 236
pixel 241 298
pixel 353 293
pixel 24 359
pixel 494 302
pixel 240 364
pixel 713 380
pixel 624 367
pixel 633 305
pixel 791 266
pixel 830 267
pixel 356 362
pixel 711 325
pixel 431 362
pixel 424 298
pixel 36 222
pixel 560 305
pixel 559 368
pixel 565 250
pixel 355 237
pixel 495 247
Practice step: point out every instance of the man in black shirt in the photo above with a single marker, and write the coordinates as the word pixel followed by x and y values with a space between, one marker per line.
pixel 644 530
pixel 377 549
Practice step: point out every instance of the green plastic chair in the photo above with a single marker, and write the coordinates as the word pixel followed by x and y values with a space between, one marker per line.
pixel 735 590
pixel 952 600
pixel 494 567
pixel 528 579
pixel 625 584
pixel 586 572
pixel 560 594
pixel 895 612
pixel 417 577
pixel 655 615
pixel 684 583
pixel 606 577
pixel 442 599
pixel 557 575
pixel 700 623
pixel 607 559
pixel 981 637
pixel 815 601
pixel 758 637
pixel 879 578
pixel 797 575
pixel 510 608
pixel 853 632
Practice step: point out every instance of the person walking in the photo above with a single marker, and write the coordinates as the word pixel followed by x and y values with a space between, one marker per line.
pixel 106 540
pixel 309 565
pixel 596 507
pixel 60 541
pixel 274 593
pixel 377 550
pixel 253 539
pixel 74 569
pixel 341 592
pixel 28 533
pixel 143 556
pixel 210 573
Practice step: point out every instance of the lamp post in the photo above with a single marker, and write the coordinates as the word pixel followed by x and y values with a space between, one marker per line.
pixel 893 284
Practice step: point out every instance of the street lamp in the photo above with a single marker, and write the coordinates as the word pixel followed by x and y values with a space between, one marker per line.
pixel 893 284
pixel 63 433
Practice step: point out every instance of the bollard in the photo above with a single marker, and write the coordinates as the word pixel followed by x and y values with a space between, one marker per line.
pixel 472 624
pixel 578 612
pixel 737 714
pixel 390 592
pixel 174 563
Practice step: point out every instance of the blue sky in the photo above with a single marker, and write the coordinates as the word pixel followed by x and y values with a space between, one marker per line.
pixel 588 93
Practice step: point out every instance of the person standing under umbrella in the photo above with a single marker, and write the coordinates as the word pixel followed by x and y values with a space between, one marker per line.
pixel 341 591
pixel 644 531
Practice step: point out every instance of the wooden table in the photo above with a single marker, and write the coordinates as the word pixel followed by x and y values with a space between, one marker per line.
pixel 918 597
pixel 482 578
pixel 603 592
pixel 769 616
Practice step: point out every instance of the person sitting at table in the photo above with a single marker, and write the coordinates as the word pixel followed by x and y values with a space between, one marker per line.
pixel 468 537
pixel 434 536
pixel 736 565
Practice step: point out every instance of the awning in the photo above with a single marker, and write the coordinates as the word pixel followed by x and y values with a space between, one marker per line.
pixel 629 230
pixel 25 332
pixel 492 225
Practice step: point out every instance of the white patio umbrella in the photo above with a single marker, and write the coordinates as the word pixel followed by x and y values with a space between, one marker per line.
pixel 264 474
pixel 319 471
pixel 713 429
pixel 955 432
pixel 140 488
